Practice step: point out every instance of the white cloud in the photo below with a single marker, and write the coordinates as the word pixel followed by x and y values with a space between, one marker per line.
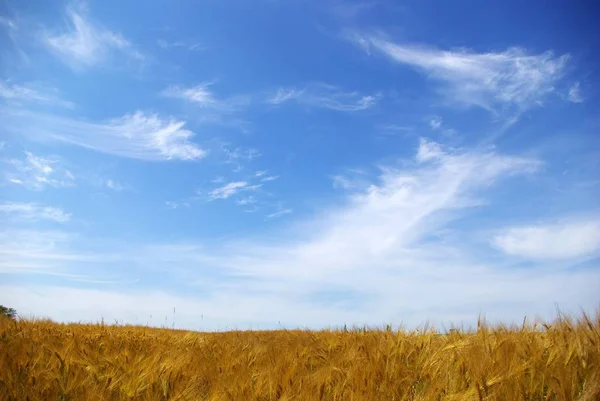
pixel 33 212
pixel 494 81
pixel 279 213
pixel 429 151
pixel 341 182
pixel 203 97
pixel 186 45
pixel 230 189
pixel 138 135
pixel 575 93
pixel 249 200
pixel 237 307
pixel 283 95
pixel 84 45
pixel 37 172
pixel 557 241
pixel 199 94
pixel 171 204
pixel 373 258
pixel 176 205
pixel 325 96
pixel 8 23
pixel 269 178
pixel 114 185
pixel 240 157
pixel 352 180
pixel 237 154
pixel 435 123
pixel 17 94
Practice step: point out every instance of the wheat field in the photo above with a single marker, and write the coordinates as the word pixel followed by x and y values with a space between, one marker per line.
pixel 43 360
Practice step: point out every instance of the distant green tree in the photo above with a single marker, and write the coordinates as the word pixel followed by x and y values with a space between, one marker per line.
pixel 8 312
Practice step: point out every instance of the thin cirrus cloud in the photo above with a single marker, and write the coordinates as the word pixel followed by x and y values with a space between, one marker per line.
pixel 181 44
pixel 279 213
pixel 566 240
pixel 114 185
pixel 202 96
pixel 574 94
pixel 389 219
pixel 137 135
pixel 326 97
pixel 231 188
pixel 38 172
pixel 493 80
pixel 34 212
pixel 83 44
pixel 377 246
pixel 19 94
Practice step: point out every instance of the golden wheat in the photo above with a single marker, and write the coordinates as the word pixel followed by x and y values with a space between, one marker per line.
pixel 42 360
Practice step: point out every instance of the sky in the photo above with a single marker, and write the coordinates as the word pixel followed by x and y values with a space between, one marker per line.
pixel 261 164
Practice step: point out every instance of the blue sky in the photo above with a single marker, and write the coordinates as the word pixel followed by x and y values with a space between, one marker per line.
pixel 298 163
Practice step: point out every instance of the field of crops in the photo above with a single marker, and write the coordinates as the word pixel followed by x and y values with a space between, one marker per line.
pixel 42 360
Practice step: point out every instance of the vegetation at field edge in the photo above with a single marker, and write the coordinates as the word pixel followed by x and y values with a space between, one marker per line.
pixel 43 360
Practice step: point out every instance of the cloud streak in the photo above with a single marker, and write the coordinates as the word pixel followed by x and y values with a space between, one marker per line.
pixel 378 257
pixel 228 190
pixel 137 135
pixel 571 239
pixel 495 81
pixel 279 213
pixel 186 45
pixel 574 95
pixel 18 94
pixel 83 45
pixel 38 172
pixel 201 96
pixel 34 212
pixel 326 97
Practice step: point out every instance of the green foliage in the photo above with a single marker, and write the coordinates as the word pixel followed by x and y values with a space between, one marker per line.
pixel 7 312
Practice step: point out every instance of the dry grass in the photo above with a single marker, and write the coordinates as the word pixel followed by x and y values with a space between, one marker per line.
pixel 42 360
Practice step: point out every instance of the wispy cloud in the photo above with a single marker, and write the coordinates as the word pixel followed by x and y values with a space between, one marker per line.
pixel 570 239
pixel 34 212
pixel 17 34
pixel 199 94
pixel 176 205
pixel 230 189
pixel 17 94
pixel 435 122
pixel 8 23
pixel 269 178
pixel 279 213
pixel 181 44
pixel 114 185
pixel 37 172
pixel 352 180
pixel 325 96
pixel 494 81
pixel 380 246
pixel 574 95
pixel 138 135
pixel 239 157
pixel 203 97
pixel 249 200
pixel 84 44
pixel 283 95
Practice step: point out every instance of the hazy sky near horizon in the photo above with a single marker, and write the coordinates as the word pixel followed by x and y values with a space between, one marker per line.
pixel 299 163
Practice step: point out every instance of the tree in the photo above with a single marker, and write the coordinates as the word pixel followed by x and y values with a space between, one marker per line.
pixel 8 312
